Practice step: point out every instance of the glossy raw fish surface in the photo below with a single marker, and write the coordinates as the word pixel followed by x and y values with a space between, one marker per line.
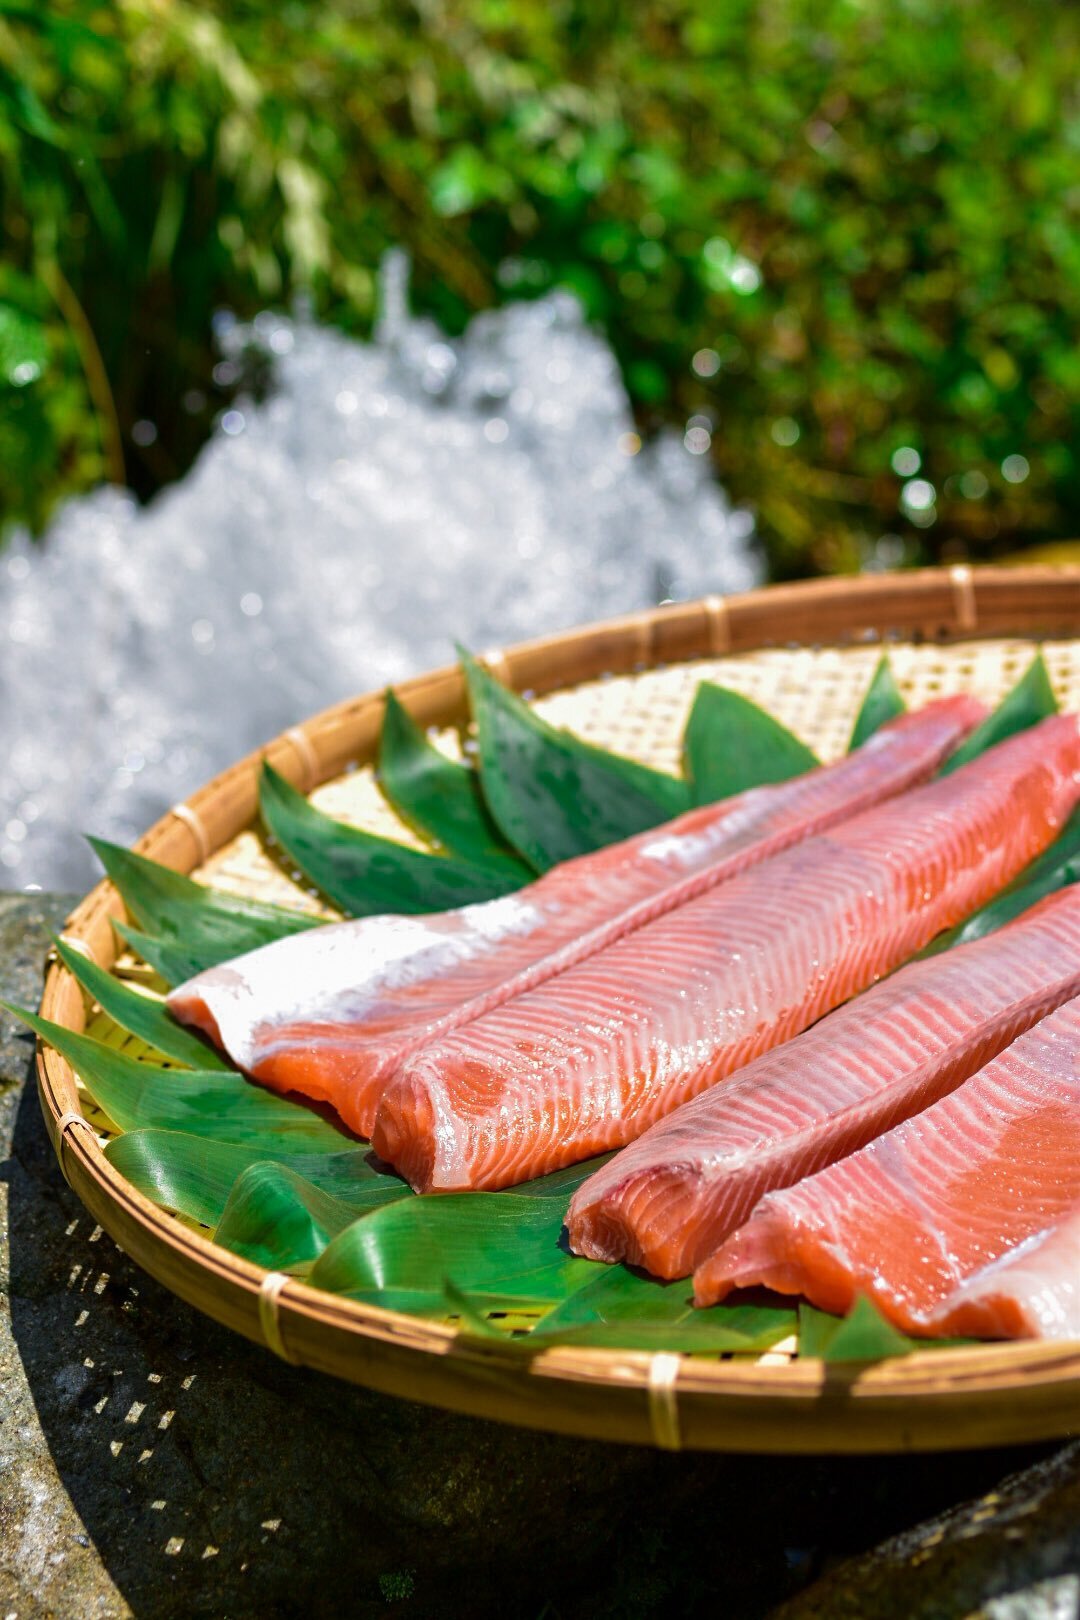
pixel 916 1214
pixel 332 1011
pixel 1033 1292
pixel 590 1059
pixel 670 1199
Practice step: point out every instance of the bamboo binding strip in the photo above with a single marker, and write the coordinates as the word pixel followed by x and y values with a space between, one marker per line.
pixel 271 1289
pixel 193 822
pixel 663 1406
pixel 68 1121
pixel 804 651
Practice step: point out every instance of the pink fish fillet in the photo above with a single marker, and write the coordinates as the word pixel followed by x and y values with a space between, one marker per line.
pixel 919 1213
pixel 331 1012
pixel 670 1199
pixel 1032 1292
pixel 590 1059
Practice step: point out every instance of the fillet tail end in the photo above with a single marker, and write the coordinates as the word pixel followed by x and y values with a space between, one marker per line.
pixel 404 1131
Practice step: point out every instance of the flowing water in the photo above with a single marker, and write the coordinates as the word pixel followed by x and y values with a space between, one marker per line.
pixel 384 500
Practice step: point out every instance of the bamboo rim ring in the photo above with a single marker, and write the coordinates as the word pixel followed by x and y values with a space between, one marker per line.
pixel 982 1395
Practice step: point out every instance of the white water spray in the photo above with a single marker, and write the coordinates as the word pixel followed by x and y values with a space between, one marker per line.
pixel 386 499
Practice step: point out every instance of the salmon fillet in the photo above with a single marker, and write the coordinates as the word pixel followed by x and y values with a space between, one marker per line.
pixel 333 1011
pixel 921 1211
pixel 589 1059
pixel 670 1199
pixel 1032 1292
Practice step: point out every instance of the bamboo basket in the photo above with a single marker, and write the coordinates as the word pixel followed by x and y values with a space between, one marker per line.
pixel 804 651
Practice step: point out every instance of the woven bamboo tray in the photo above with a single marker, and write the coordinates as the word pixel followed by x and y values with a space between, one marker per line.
pixel 806 652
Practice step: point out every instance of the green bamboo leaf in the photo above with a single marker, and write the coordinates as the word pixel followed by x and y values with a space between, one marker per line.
pixel 205 925
pixel 561 1183
pixel 280 1220
pixel 862 1335
pixel 142 1013
pixel 189 1175
pixel 551 794
pixel 222 1106
pixel 1056 856
pixel 172 962
pixel 492 1246
pixel 474 1324
pixel 881 704
pixel 1056 868
pixel 194 1175
pixel 622 1308
pixel 198 1177
pixel 365 874
pixel 730 744
pixel 1031 700
pixel 438 797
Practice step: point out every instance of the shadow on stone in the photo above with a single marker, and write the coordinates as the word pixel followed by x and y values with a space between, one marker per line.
pixel 1013 1554
pixel 212 1479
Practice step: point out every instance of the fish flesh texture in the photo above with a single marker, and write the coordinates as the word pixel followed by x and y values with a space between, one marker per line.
pixel 588 1060
pixel 1032 1292
pixel 917 1213
pixel 670 1199
pixel 331 1012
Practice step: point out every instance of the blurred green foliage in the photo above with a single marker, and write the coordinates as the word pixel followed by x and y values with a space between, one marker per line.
pixel 844 233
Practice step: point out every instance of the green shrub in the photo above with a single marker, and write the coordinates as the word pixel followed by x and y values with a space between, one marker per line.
pixel 860 218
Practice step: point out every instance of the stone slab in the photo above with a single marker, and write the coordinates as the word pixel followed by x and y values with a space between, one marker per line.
pixel 1011 1554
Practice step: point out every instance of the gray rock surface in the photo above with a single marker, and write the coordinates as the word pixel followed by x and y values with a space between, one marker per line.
pixel 1011 1554
pixel 153 1464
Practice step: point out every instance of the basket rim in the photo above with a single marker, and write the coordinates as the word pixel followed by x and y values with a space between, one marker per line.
pixel 928 1399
